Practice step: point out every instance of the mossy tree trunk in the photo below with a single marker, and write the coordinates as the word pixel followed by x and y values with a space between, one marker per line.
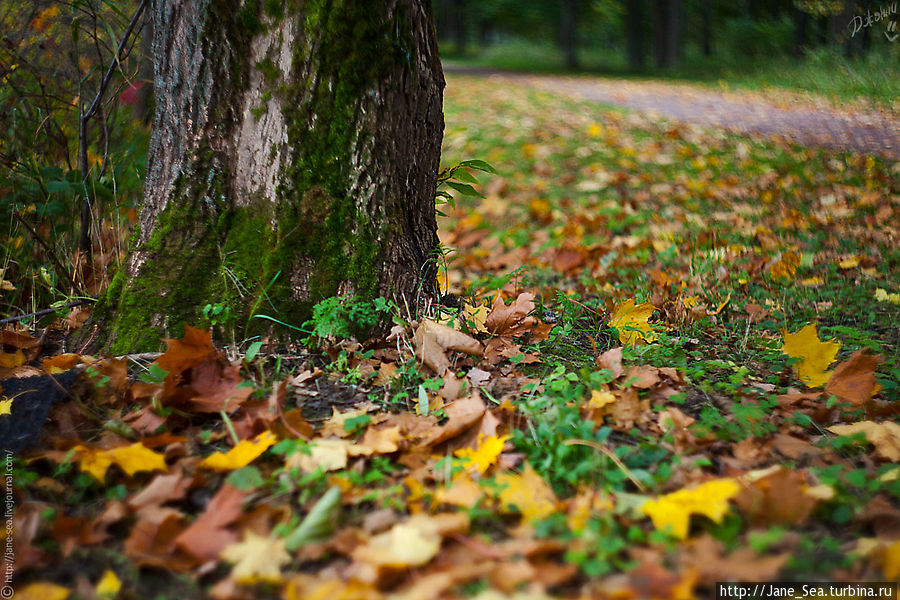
pixel 294 156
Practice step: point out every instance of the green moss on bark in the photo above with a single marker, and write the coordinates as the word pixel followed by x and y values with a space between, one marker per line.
pixel 275 256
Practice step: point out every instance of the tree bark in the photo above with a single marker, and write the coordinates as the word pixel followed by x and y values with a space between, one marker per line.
pixel 294 156
pixel 568 33
pixel 634 33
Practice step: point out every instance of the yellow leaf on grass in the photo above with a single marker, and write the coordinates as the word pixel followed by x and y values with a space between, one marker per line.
pixel 674 510
pixel 241 455
pixel 131 459
pixel 631 321
pixel 108 586
pixel 786 266
pixel 528 493
pixel 816 356
pixel 489 449
pixel 6 407
pixel 43 591
pixel 257 559
pixel 884 436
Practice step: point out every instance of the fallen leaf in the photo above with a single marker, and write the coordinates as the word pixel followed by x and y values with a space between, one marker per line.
pixel 527 493
pixel 190 351
pixel 377 441
pixel 257 558
pixel 674 510
pixel 630 321
pixel 512 320
pixel 411 543
pixel 335 423
pixel 244 453
pixel 60 363
pixel 612 360
pixel 325 454
pixel 108 586
pixel 777 498
pixel 489 448
pixel 815 355
pixel 475 316
pixel 854 379
pixel 884 436
pixel 207 536
pixel 463 491
pixel 131 459
pixel 432 341
pixel 43 591
pixel 462 414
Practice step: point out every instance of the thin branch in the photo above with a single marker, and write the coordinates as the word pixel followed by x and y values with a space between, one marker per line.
pixel 46 311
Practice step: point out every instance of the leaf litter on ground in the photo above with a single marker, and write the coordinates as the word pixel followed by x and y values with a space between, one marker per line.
pixel 675 364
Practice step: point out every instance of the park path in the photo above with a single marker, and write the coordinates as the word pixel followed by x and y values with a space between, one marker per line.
pixel 796 117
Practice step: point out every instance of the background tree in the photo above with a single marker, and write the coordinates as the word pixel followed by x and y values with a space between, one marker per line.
pixel 294 156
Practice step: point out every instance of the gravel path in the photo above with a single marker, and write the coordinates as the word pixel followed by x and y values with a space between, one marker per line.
pixel 807 121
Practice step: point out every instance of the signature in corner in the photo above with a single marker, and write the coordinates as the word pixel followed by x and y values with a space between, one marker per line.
pixel 860 22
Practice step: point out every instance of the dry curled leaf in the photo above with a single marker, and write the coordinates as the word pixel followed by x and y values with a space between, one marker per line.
pixel 432 341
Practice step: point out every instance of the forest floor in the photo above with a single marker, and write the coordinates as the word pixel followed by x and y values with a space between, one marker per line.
pixel 667 357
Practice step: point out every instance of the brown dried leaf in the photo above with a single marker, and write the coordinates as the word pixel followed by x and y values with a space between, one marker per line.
pixel 432 340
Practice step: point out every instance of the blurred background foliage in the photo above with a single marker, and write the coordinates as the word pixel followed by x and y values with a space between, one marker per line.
pixel 801 44
pixel 53 58
pixel 54 55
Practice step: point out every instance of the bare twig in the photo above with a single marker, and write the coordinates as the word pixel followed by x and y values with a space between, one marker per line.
pixel 46 311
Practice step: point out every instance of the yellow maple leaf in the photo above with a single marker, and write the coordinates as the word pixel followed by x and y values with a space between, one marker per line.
pixel 108 586
pixel 6 407
pixel 528 493
pixel 257 558
pixel 631 321
pixel 131 459
pixel 674 510
pixel 816 356
pixel 244 453
pixel 489 448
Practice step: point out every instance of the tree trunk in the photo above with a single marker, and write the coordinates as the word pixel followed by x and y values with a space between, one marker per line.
pixel 568 33
pixel 673 37
pixel 634 33
pixel 294 156
pixel 706 27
